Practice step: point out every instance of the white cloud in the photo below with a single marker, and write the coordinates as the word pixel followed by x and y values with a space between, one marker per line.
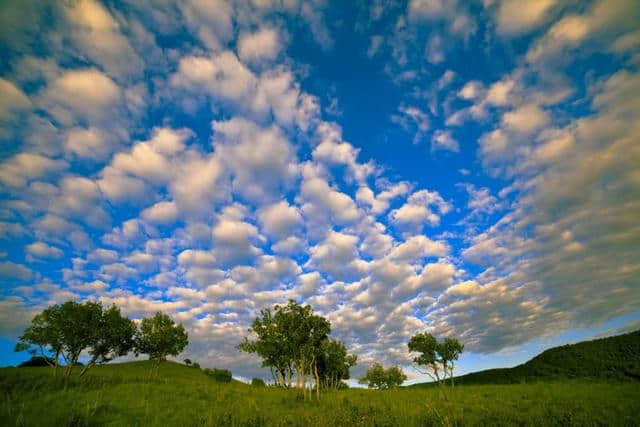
pixel 443 140
pixel 12 100
pixel 606 18
pixel 14 270
pixel 515 17
pixel 161 213
pixel 97 34
pixel 263 45
pixel 280 220
pixel 417 210
pixel 89 143
pixel 18 170
pixel 261 160
pixel 43 250
pixel 337 255
pixel 416 248
pixel 525 119
pixel 85 93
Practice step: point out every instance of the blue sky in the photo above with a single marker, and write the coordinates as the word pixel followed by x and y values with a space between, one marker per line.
pixel 464 168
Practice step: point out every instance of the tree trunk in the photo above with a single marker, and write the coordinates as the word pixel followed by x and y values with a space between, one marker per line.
pixel 451 374
pixel 315 367
pixel 303 378
pixel 89 366
pixel 281 380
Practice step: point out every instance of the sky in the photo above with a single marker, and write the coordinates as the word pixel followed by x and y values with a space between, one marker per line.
pixel 466 168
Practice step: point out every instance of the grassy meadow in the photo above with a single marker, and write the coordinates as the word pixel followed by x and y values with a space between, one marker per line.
pixel 132 394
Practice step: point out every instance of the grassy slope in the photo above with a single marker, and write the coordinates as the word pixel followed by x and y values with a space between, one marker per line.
pixel 129 394
pixel 611 359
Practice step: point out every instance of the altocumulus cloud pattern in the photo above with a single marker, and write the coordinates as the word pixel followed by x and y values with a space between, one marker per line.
pixel 466 168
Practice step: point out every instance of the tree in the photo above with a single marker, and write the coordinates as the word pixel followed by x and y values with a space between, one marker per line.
pixel 187 362
pixel 219 375
pixel 44 337
pixel 289 340
pixel 65 330
pixel 257 382
pixel 380 378
pixel 436 359
pixel 334 363
pixel 449 352
pixel 114 337
pixel 159 337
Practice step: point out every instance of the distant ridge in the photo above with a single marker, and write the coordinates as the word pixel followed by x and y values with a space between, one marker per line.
pixel 614 358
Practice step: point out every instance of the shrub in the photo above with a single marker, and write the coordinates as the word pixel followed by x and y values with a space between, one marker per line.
pixel 258 382
pixel 219 375
pixel 37 361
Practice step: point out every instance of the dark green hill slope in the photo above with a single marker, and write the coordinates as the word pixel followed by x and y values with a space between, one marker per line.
pixel 613 359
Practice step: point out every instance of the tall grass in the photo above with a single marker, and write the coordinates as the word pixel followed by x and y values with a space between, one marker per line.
pixel 133 394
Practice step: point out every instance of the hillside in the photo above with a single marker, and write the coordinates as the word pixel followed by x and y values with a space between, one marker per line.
pixel 138 393
pixel 614 358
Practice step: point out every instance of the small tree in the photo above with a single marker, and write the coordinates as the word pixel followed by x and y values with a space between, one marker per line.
pixel 65 330
pixel 114 337
pixel 219 375
pixel 380 378
pixel 334 363
pixel 160 337
pixel 187 362
pixel 43 337
pixel 449 352
pixel 395 377
pixel 257 382
pixel 436 359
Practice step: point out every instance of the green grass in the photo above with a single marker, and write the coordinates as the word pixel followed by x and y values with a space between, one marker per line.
pixel 130 394
pixel 607 359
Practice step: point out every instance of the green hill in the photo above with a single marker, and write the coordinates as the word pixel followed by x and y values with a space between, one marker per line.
pixel 609 359
pixel 142 394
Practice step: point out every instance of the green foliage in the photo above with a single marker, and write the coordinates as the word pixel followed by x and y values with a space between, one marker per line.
pixel 436 358
pixel 382 379
pixel 187 362
pixel 614 358
pixel 334 363
pixel 219 375
pixel 257 382
pixel 196 365
pixel 68 329
pixel 124 394
pixel 159 337
pixel 292 339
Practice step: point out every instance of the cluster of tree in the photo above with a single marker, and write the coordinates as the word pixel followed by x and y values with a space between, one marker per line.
pixel 67 330
pixel 435 358
pixel 380 378
pixel 294 343
pixel 219 375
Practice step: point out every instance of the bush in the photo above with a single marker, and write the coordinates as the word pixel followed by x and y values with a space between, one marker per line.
pixel 219 375
pixel 258 382
pixel 195 365
pixel 36 361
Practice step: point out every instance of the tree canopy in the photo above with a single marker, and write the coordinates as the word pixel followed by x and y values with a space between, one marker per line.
pixel 159 337
pixel 436 358
pixel 293 341
pixel 65 330
pixel 380 378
